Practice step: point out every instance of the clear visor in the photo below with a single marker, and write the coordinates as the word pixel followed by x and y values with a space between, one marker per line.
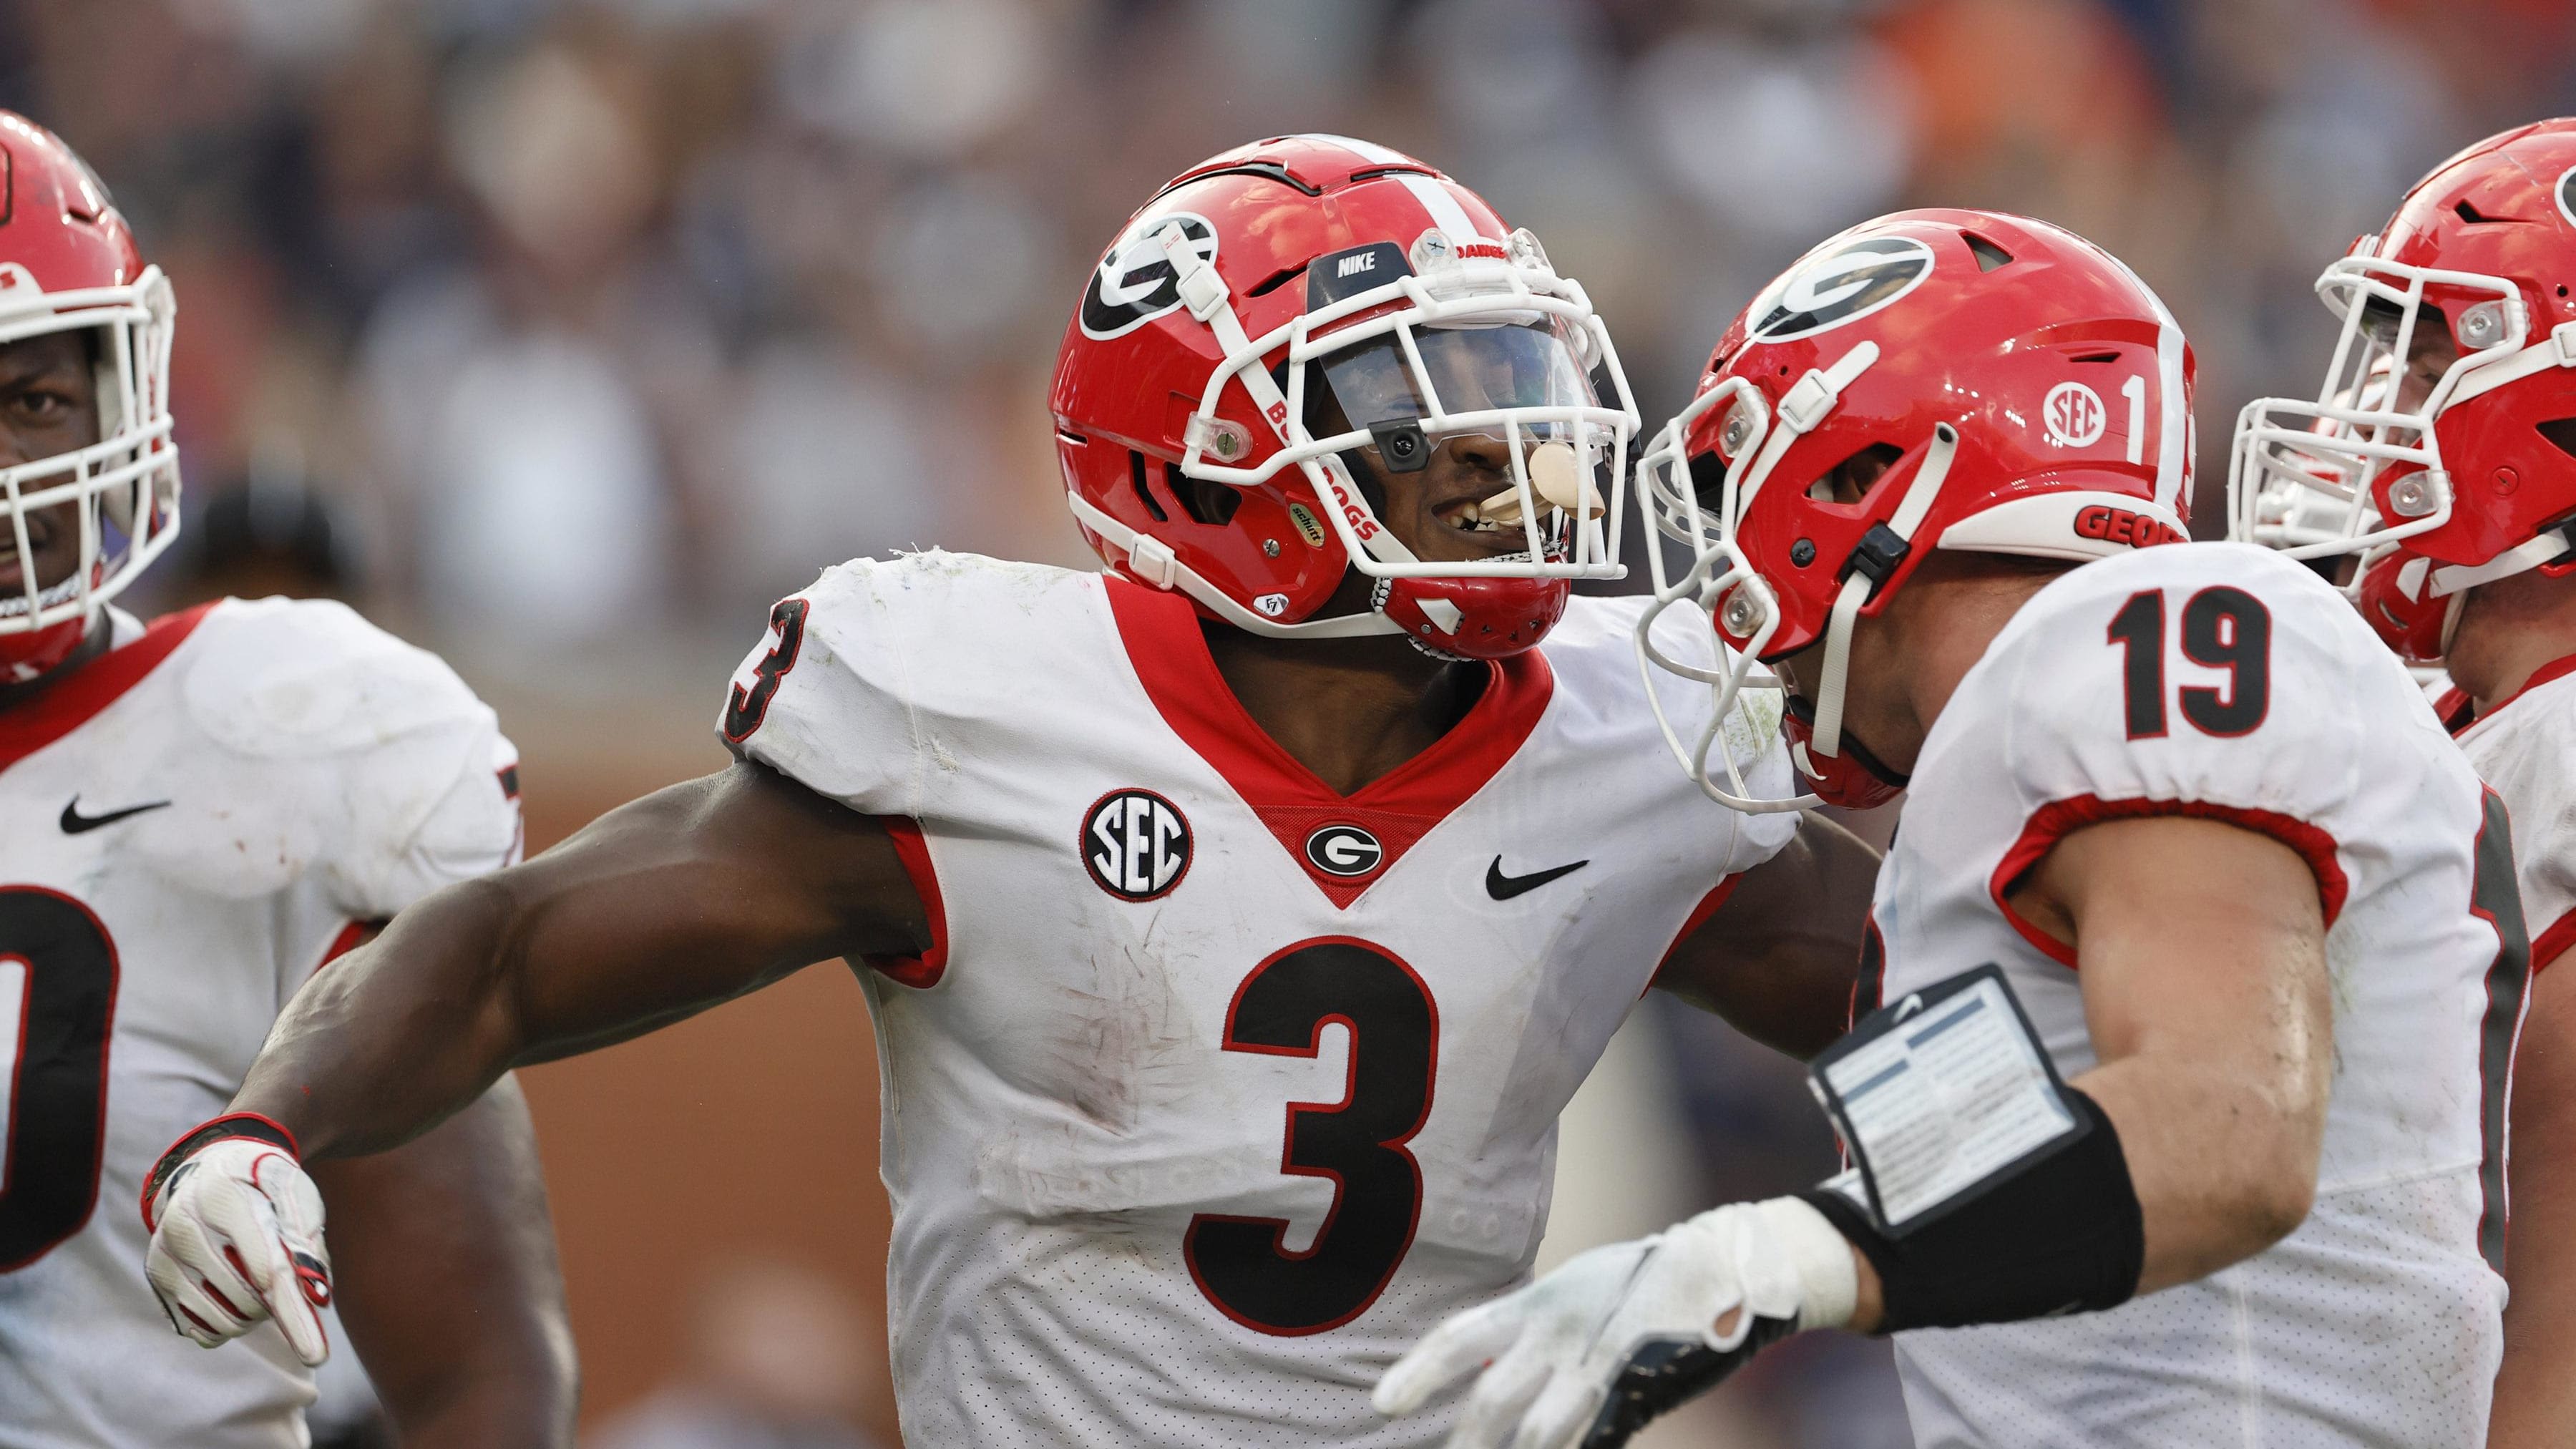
pixel 1468 347
pixel 1464 379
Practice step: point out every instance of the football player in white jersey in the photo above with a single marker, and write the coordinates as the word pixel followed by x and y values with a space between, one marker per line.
pixel 1238 919
pixel 2198 948
pixel 200 814
pixel 2447 507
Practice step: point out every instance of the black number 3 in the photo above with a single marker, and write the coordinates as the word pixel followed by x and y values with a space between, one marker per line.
pixel 2222 628
pixel 57 1116
pixel 748 707
pixel 1242 1263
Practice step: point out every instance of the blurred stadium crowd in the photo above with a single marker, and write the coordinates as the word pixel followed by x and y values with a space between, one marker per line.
pixel 593 325
pixel 598 313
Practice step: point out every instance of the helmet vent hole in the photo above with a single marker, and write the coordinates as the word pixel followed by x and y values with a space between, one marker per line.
pixel 1989 255
pixel 2473 216
pixel 1204 502
pixel 1136 475
pixel 1851 480
pixel 2097 357
pixel 1277 280
pixel 2561 434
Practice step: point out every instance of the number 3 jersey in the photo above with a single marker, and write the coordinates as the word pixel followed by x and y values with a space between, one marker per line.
pixel 2223 682
pixel 190 825
pixel 1217 1089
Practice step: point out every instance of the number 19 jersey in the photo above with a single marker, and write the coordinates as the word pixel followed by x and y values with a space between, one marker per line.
pixel 2224 682
pixel 1217 1089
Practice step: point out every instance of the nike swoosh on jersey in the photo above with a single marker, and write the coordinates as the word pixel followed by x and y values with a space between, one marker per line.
pixel 1503 887
pixel 75 822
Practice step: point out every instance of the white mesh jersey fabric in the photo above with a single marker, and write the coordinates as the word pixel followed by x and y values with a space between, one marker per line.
pixel 2526 750
pixel 1084 1172
pixel 316 772
pixel 2378 1322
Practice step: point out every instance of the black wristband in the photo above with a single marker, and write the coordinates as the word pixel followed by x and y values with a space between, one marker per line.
pixel 2063 1235
pixel 248 1125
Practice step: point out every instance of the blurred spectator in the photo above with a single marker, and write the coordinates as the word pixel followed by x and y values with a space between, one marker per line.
pixel 270 533
pixel 777 1363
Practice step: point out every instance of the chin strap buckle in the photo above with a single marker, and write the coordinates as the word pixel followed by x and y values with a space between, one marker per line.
pixel 1876 556
pixel 2564 335
pixel 1152 561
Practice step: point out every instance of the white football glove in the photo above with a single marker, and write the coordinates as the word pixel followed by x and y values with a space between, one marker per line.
pixel 1613 1337
pixel 237 1237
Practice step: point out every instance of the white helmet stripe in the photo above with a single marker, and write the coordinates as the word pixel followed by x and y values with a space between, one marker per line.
pixel 1369 151
pixel 1446 213
pixel 2173 431
pixel 2173 424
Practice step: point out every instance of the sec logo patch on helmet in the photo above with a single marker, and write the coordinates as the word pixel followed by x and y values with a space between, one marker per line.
pixel 1135 283
pixel 2074 416
pixel 1346 851
pixel 1842 285
pixel 1136 844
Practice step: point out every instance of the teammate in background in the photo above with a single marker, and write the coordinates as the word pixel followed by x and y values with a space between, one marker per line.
pixel 200 814
pixel 1239 919
pixel 2456 496
pixel 1929 462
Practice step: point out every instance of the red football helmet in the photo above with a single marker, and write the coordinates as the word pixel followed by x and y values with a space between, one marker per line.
pixel 2459 467
pixel 1265 287
pixel 68 263
pixel 2013 388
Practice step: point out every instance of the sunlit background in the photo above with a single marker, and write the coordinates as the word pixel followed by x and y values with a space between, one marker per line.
pixel 563 336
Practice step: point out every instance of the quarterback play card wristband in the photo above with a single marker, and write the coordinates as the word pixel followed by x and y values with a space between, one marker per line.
pixel 1983 1189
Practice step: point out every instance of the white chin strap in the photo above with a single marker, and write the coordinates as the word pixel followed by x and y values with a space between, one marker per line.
pixel 1152 561
pixel 2530 554
pixel 1827 733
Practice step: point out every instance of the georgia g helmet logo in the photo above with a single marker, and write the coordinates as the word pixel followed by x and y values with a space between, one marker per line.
pixel 1135 284
pixel 2567 196
pixel 1838 286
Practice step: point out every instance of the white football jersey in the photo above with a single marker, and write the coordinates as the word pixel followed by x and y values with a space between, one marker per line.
pixel 196 820
pixel 2525 748
pixel 2225 682
pixel 1218 1089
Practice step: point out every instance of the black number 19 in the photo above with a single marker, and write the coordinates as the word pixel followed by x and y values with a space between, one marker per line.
pixel 2222 628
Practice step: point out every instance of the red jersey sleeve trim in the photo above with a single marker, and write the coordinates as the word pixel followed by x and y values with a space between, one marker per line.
pixel 351 937
pixel 2058 819
pixel 73 702
pixel 2552 943
pixel 1699 916
pixel 922 971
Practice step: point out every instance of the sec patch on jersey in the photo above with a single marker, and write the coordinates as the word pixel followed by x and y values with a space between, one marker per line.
pixel 1136 845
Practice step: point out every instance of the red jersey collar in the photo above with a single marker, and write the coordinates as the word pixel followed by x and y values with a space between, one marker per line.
pixel 1161 632
pixel 92 687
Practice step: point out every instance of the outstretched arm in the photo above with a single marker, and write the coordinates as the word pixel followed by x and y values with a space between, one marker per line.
pixel 448 1282
pixel 670 905
pixel 1779 958
pixel 660 909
